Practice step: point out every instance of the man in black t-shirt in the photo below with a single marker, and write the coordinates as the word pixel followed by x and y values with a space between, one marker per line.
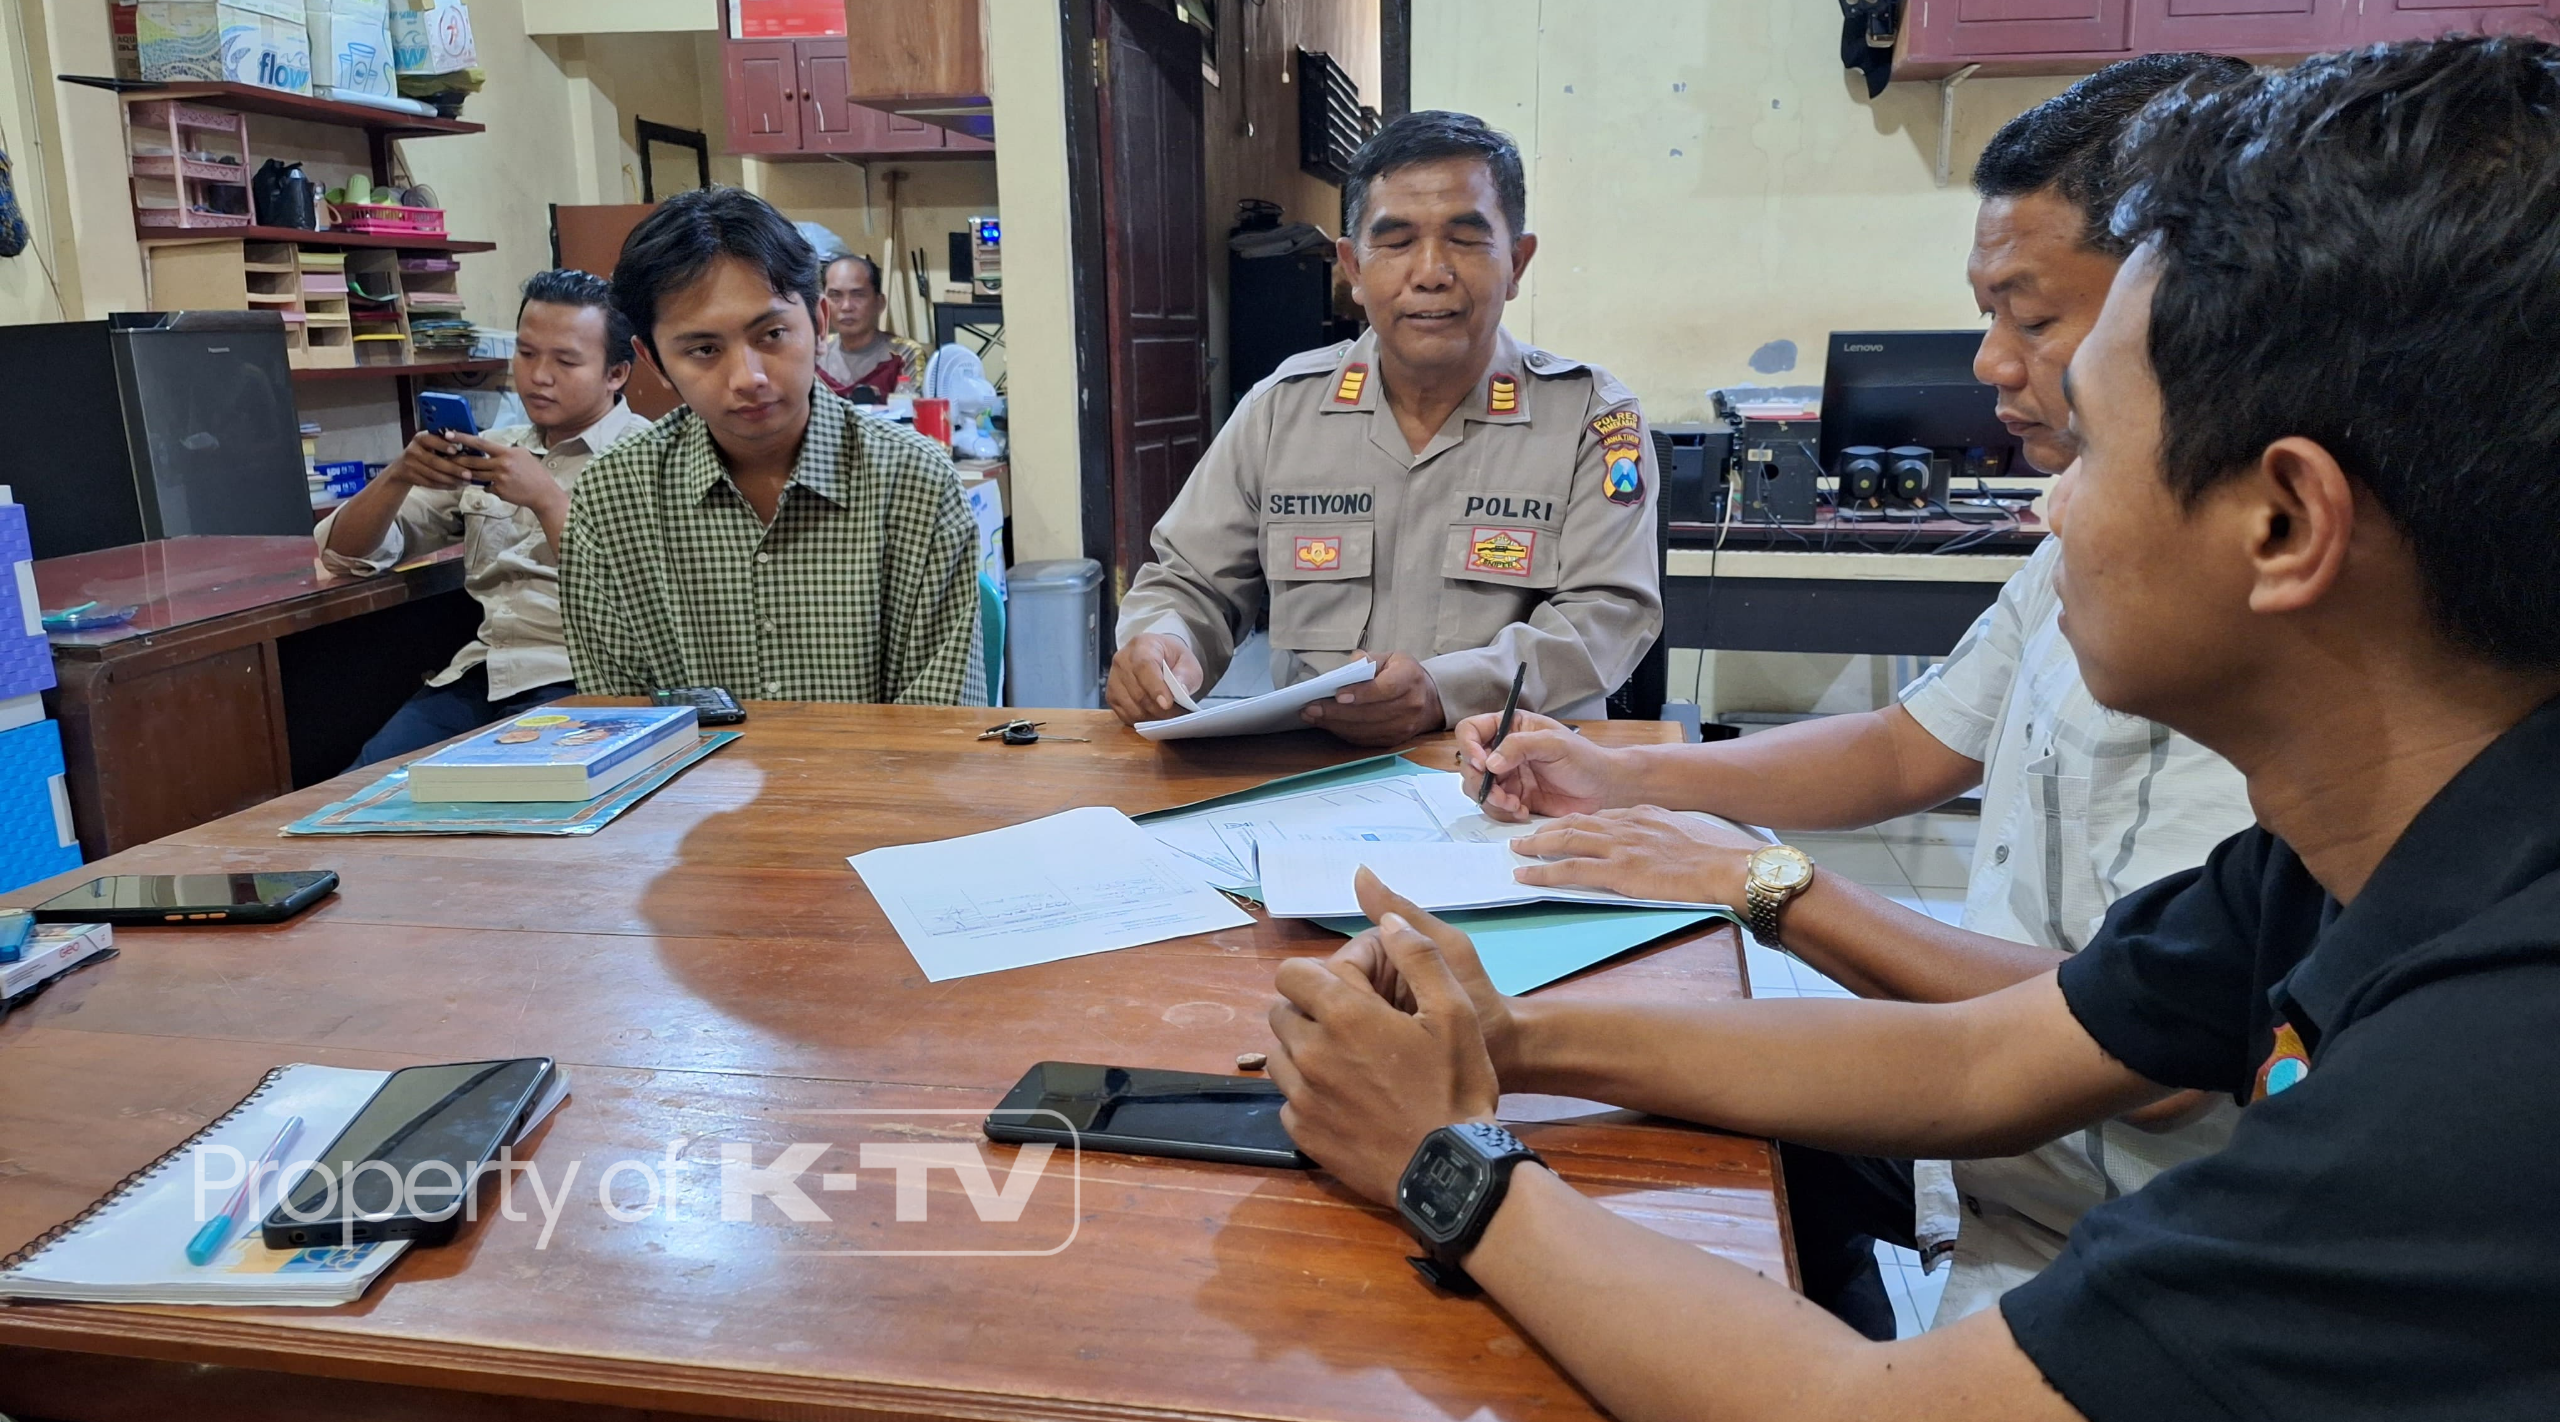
pixel 2315 529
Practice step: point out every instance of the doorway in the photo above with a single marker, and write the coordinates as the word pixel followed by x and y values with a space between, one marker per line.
pixel 1154 294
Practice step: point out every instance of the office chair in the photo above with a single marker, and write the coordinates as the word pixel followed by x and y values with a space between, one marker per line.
pixel 1641 696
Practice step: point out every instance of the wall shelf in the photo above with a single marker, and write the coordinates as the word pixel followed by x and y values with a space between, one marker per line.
pixel 389 372
pixel 276 103
pixel 300 238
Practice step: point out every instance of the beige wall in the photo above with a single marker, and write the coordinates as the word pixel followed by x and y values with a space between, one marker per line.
pixel 1026 79
pixel 67 145
pixel 26 294
pixel 1705 179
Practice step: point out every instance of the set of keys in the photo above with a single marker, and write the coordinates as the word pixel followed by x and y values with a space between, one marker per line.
pixel 1023 733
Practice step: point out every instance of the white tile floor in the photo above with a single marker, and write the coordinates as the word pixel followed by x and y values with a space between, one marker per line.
pixel 1919 862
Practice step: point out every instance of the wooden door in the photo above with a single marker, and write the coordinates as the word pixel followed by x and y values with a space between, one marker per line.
pixel 2242 26
pixel 2425 19
pixel 830 121
pixel 589 239
pixel 762 89
pixel 1983 29
pixel 1155 278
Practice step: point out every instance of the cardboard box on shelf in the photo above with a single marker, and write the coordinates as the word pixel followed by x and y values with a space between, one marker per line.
pixel 262 42
pixel 432 36
pixel 350 45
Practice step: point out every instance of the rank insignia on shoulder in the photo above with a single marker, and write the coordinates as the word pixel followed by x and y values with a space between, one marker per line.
pixel 1621 450
pixel 1507 551
pixel 1355 378
pixel 1502 397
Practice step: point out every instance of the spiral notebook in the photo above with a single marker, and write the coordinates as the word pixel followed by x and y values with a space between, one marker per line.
pixel 130 1247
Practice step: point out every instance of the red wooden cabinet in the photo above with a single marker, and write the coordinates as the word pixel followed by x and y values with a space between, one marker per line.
pixel 2244 26
pixel 1984 28
pixel 2072 36
pixel 763 92
pixel 794 97
pixel 2417 19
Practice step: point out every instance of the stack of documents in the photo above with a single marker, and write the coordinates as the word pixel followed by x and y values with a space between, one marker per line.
pixel 1420 831
pixel 131 1247
pixel 1313 879
pixel 1295 843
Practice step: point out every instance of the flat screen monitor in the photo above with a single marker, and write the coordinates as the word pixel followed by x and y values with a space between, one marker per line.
pixel 1910 387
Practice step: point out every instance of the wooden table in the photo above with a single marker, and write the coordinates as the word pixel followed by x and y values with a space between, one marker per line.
pixel 712 973
pixel 246 673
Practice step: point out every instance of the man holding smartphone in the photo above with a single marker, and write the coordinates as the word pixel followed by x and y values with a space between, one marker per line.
pixel 505 497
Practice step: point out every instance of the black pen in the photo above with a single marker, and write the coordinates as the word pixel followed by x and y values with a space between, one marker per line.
pixel 1510 706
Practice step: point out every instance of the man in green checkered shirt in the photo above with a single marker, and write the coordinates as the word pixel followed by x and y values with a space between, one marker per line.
pixel 766 538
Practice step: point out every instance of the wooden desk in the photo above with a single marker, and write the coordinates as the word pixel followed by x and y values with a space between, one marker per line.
pixel 711 972
pixel 243 676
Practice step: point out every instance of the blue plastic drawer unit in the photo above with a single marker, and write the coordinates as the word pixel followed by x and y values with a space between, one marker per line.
pixel 36 839
pixel 26 658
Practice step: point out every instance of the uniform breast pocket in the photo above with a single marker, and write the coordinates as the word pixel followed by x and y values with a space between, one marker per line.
pixel 1320 584
pixel 1494 569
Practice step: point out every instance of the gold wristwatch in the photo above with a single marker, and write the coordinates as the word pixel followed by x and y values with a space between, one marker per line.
pixel 1771 879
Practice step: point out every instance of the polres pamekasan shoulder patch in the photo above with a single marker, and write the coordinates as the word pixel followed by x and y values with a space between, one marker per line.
pixel 1621 434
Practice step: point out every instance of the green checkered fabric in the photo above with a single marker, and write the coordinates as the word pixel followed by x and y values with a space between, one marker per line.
pixel 865 587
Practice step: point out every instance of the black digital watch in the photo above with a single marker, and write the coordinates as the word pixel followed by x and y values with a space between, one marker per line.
pixel 1449 1192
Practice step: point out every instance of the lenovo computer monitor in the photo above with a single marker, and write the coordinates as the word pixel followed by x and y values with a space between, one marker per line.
pixel 1888 388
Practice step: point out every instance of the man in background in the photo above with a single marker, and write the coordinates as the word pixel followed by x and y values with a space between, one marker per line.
pixel 2080 805
pixel 764 539
pixel 505 497
pixel 858 353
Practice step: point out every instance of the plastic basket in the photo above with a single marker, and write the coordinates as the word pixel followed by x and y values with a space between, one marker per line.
pixel 389 217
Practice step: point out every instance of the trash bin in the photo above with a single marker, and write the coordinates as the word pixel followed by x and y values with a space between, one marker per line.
pixel 1053 633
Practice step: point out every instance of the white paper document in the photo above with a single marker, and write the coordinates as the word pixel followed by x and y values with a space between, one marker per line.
pixel 1312 878
pixel 1225 840
pixel 1259 715
pixel 1085 881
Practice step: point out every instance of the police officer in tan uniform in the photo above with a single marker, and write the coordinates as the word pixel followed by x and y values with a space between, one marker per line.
pixel 1433 496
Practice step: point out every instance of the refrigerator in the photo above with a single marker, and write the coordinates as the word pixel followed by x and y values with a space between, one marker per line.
pixel 151 425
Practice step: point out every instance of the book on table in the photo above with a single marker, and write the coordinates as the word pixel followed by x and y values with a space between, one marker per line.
pixel 52 950
pixel 554 754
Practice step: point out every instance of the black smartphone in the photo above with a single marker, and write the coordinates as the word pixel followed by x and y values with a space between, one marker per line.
pixel 712 705
pixel 408 1162
pixel 190 898
pixel 1142 1111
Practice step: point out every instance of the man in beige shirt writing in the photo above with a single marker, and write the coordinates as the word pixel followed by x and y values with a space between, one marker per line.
pixel 1434 496
pixel 505 497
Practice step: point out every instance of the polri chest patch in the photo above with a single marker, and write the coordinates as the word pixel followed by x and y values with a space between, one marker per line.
pixel 1509 552
pixel 1319 555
